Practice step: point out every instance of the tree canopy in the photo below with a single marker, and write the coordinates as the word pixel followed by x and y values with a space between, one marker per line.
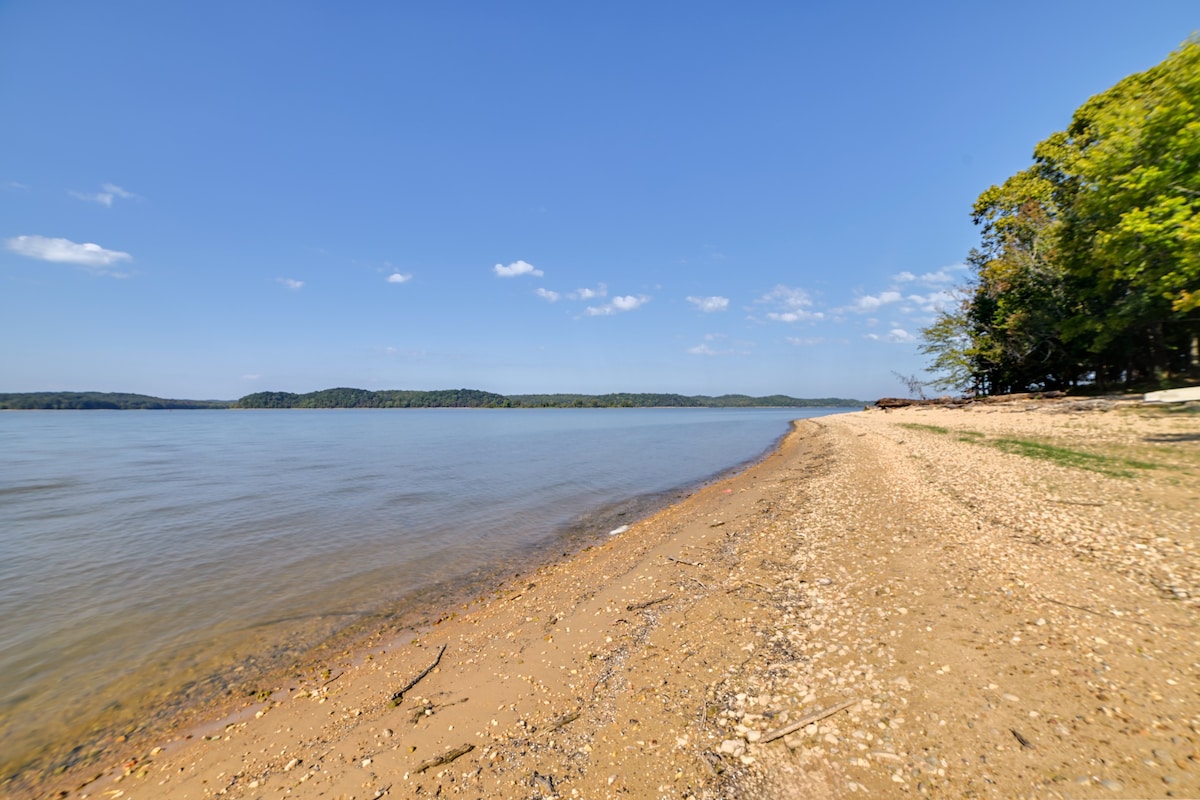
pixel 474 398
pixel 397 398
pixel 113 401
pixel 1088 266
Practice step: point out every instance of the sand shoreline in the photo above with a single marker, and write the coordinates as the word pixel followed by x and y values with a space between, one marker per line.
pixel 212 699
pixel 987 624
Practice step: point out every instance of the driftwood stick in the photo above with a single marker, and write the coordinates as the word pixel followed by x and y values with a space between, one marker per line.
pixel 398 696
pixel 648 603
pixel 446 757
pixel 681 561
pixel 565 719
pixel 429 709
pixel 816 716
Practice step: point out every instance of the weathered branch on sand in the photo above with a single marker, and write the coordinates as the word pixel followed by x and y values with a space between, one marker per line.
pixel 398 696
pixel 446 757
pixel 816 716
pixel 565 719
pixel 1024 742
pixel 648 603
pixel 681 561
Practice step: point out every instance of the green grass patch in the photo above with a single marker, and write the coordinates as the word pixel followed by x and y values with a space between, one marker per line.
pixel 1066 457
pixel 1114 466
pixel 916 426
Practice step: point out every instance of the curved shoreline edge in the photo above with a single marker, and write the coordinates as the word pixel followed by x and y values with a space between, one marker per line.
pixel 984 623
pixel 227 690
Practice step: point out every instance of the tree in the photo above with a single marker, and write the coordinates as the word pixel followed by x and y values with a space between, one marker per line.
pixel 1088 267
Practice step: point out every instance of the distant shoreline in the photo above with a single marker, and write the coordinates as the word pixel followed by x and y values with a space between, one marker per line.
pixel 443 398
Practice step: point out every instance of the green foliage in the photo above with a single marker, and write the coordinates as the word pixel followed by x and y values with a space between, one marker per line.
pixel 444 398
pixel 1088 268
pixel 473 398
pixel 78 401
pixel 363 398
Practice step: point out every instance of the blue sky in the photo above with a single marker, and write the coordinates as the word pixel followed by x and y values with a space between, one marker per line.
pixel 204 200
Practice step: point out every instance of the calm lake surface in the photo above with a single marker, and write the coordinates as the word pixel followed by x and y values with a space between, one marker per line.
pixel 154 558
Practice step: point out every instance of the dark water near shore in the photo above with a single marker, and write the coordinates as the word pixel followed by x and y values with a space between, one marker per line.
pixel 148 557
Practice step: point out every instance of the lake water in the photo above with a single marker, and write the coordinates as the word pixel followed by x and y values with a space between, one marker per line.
pixel 153 559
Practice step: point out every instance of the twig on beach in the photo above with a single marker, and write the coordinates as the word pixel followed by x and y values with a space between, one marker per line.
pixel 648 603
pixel 398 696
pixel 816 716
pixel 429 709
pixel 1024 742
pixel 544 780
pixel 334 678
pixel 685 563
pixel 1107 616
pixel 446 757
pixel 565 719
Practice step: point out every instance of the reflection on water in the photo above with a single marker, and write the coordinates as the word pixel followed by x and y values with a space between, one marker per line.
pixel 153 557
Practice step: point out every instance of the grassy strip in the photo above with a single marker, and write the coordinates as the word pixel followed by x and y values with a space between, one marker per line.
pixel 1066 457
pixel 916 426
pixel 1063 456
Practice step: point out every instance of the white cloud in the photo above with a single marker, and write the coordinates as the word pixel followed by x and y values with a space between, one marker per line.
pixel 546 294
pixel 589 294
pixel 399 277
pixel 710 304
pixel 794 316
pixel 64 251
pixel 871 302
pixel 894 336
pixel 933 302
pixel 939 277
pixel 704 349
pixel 618 304
pixel 105 196
pixel 802 341
pixel 788 297
pixel 793 305
pixel 253 376
pixel 517 268
pixel 291 283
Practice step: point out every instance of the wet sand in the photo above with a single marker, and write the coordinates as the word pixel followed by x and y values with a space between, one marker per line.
pixel 958 616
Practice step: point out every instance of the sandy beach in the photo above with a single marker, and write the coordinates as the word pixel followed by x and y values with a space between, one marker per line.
pixel 924 602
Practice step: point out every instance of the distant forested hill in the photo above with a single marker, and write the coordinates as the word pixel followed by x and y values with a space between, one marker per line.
pixel 362 398
pixel 98 400
pixel 623 400
pixel 394 398
pixel 474 398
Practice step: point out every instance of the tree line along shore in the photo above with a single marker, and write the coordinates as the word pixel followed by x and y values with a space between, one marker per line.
pixel 445 398
pixel 1087 271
